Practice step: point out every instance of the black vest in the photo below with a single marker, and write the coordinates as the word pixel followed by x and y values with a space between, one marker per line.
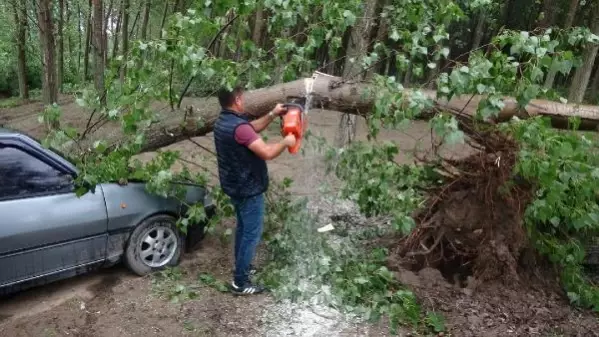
pixel 242 173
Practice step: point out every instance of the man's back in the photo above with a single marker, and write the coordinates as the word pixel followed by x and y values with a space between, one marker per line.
pixel 242 173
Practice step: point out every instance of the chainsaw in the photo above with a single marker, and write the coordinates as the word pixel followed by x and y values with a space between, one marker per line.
pixel 294 122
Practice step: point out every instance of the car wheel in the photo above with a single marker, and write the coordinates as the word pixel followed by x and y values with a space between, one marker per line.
pixel 156 243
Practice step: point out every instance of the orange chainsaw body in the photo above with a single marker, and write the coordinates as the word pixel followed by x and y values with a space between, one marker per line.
pixel 294 122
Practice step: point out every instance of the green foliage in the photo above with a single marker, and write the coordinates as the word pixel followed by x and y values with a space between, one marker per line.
pixel 564 216
pixel 175 285
pixel 379 185
pixel 335 269
pixel 170 284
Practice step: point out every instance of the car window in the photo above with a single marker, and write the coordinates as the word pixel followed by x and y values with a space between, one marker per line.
pixel 21 174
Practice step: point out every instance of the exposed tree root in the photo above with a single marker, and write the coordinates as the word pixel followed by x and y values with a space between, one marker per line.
pixel 473 224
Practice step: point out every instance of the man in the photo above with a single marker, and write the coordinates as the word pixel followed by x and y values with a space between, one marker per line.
pixel 242 155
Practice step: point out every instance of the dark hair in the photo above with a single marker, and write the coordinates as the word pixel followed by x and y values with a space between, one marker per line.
pixel 226 97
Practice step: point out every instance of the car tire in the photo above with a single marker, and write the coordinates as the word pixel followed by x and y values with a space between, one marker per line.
pixel 155 244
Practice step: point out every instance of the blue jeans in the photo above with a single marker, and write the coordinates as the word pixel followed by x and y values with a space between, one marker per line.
pixel 250 216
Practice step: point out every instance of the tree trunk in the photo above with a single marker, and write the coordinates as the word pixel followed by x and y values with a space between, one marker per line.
pixel 20 14
pixel 60 71
pixel 258 24
pixel 382 31
pixel 550 78
pixel 595 81
pixel 571 14
pixel 117 32
pixel 357 50
pixel 88 43
pixel 46 32
pixel 71 50
pixel 105 21
pixel 125 32
pixel 550 8
pixel 80 37
pixel 163 21
pixel 99 60
pixel 144 23
pixel 131 35
pixel 581 76
pixel 330 93
pixel 478 31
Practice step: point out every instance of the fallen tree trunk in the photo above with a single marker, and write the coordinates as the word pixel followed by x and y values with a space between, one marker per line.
pixel 328 93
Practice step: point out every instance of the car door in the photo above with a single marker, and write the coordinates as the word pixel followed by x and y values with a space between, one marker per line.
pixel 44 227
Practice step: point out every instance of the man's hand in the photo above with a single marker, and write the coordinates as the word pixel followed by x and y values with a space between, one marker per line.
pixel 279 110
pixel 289 140
pixel 262 122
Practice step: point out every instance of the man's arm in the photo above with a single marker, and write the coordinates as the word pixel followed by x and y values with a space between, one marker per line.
pixel 267 151
pixel 247 136
pixel 263 122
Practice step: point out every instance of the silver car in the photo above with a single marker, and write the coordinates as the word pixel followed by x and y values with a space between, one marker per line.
pixel 48 233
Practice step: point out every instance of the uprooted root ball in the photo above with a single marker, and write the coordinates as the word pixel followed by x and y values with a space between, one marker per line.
pixel 473 224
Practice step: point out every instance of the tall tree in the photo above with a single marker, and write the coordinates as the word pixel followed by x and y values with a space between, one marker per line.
pixel 60 69
pixel 88 38
pixel 46 33
pixel 116 33
pixel 549 13
pixel 99 53
pixel 479 32
pixel 163 21
pixel 357 49
pixel 571 13
pixel 258 24
pixel 550 78
pixel 20 15
pixel 146 19
pixel 125 32
pixel 581 76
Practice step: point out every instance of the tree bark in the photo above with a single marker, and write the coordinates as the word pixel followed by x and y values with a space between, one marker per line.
pixel 550 78
pixel 329 93
pixel 79 36
pixel 71 49
pixel 478 31
pixel 549 13
pixel 358 48
pixel 125 32
pixel 46 32
pixel 144 23
pixel 117 31
pixel 99 53
pixel 107 14
pixel 88 40
pixel 131 35
pixel 382 31
pixel 258 24
pixel 581 76
pixel 163 21
pixel 571 13
pixel 20 14
pixel 60 71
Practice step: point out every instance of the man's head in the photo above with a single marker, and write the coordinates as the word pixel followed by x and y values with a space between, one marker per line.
pixel 232 100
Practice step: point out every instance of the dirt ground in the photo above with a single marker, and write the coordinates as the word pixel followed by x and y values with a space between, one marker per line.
pixel 113 302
